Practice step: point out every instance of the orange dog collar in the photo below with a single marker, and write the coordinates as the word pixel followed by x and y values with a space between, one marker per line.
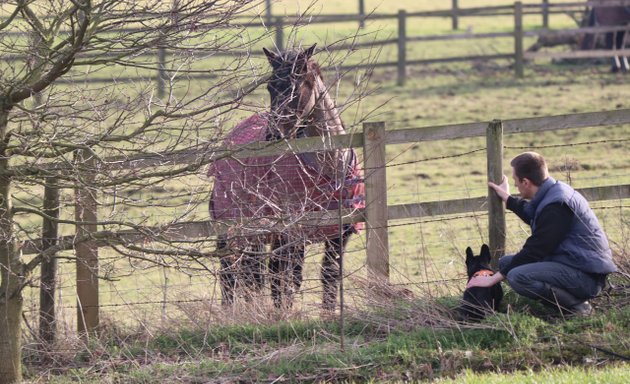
pixel 484 273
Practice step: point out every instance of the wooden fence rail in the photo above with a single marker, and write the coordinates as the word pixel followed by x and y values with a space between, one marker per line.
pixel 376 214
pixel 518 10
pixel 206 154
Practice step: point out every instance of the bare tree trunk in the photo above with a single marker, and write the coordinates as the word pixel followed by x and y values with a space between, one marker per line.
pixel 10 333
pixel 11 274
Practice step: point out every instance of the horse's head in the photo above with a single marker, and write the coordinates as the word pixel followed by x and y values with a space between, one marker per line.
pixel 292 87
pixel 301 106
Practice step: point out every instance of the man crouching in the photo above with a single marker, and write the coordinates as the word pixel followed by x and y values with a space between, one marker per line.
pixel 566 259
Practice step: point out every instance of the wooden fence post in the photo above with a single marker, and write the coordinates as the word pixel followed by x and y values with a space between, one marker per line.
pixel 455 16
pixel 545 14
pixel 402 47
pixel 279 34
pixel 376 201
pixel 161 77
pixel 361 13
pixel 268 12
pixel 518 39
pixel 496 211
pixel 87 251
pixel 48 280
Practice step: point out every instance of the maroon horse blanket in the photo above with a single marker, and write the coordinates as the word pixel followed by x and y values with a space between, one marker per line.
pixel 273 190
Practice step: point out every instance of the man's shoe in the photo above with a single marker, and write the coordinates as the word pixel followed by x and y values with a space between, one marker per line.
pixel 581 309
pixel 569 305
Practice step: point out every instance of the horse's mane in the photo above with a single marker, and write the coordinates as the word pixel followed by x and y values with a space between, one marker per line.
pixel 329 105
pixel 314 68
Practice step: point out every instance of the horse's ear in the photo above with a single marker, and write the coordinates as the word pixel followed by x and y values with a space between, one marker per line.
pixel 485 253
pixel 272 57
pixel 309 52
pixel 303 58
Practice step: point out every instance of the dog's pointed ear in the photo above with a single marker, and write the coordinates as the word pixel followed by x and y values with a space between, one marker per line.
pixel 469 255
pixel 485 253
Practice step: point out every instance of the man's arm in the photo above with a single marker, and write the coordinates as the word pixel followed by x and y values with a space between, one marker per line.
pixel 503 190
pixel 517 205
pixel 552 226
pixel 512 203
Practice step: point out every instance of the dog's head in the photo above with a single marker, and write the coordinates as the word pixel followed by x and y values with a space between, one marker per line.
pixel 478 265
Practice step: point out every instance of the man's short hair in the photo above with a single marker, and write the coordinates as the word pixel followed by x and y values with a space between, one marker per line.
pixel 532 166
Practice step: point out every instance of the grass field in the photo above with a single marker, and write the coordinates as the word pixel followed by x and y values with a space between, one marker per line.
pixel 434 95
pixel 141 295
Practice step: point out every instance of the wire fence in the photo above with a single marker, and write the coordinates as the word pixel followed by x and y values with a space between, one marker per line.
pixel 161 66
pixel 425 251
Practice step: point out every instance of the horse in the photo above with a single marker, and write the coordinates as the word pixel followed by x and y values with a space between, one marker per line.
pixel 606 15
pixel 268 195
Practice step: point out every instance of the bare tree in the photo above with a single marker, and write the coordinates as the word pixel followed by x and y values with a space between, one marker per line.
pixel 58 122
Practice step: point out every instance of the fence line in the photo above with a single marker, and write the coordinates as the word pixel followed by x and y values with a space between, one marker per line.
pixel 206 154
pixel 518 10
pixel 377 237
pixel 376 214
pixel 544 8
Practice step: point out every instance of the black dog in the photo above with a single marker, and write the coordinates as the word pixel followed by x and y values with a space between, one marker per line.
pixel 479 300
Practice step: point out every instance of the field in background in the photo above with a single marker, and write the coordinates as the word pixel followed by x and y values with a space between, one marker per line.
pixel 432 249
pixel 427 249
pixel 165 324
pixel 291 7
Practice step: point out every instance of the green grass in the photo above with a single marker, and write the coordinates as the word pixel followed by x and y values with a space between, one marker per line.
pixel 434 95
pixel 568 375
pixel 421 249
pixel 400 349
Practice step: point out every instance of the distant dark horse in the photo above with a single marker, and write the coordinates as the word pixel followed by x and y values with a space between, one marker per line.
pixel 269 195
pixel 610 16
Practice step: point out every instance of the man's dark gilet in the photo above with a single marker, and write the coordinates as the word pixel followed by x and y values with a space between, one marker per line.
pixel 586 246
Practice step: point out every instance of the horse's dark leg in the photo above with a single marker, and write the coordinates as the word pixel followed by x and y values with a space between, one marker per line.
pixel 293 277
pixel 226 274
pixel 277 264
pixel 297 261
pixel 619 60
pixel 333 253
pixel 622 37
pixel 590 40
pixel 614 40
pixel 253 269
pixel 260 269
pixel 285 265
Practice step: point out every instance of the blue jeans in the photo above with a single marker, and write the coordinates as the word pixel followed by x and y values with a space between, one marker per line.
pixel 533 280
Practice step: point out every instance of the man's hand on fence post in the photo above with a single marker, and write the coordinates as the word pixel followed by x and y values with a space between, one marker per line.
pixel 502 190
